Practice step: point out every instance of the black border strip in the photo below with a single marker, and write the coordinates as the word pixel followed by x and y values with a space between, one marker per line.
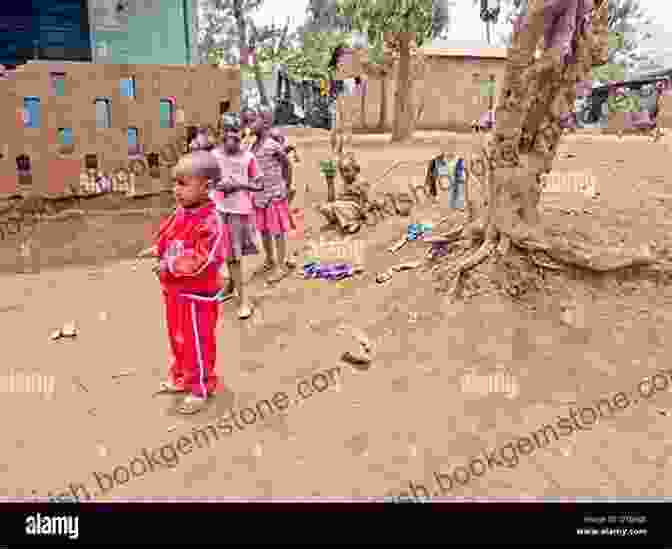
pixel 414 525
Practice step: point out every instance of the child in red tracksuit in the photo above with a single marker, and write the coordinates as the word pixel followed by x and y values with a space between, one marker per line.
pixel 192 245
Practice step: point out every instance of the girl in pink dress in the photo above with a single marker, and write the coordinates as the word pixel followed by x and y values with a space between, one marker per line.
pixel 232 195
pixel 270 203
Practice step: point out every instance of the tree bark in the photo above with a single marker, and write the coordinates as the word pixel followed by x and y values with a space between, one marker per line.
pixel 331 188
pixel 239 16
pixel 362 106
pixel 263 96
pixel 522 147
pixel 260 84
pixel 382 118
pixel 403 111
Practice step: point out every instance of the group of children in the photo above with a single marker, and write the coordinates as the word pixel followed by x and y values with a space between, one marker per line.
pixel 226 195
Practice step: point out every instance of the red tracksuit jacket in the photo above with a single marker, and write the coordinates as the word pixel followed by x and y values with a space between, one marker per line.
pixel 192 245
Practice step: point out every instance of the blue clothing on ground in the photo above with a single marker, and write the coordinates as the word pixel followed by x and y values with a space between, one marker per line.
pixel 457 191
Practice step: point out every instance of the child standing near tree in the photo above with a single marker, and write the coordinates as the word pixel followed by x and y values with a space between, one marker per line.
pixel 271 202
pixel 232 194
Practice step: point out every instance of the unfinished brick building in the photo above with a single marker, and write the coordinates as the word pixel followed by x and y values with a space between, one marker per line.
pixel 65 123
pixel 452 92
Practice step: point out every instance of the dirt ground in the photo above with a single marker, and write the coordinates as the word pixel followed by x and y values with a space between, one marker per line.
pixel 372 431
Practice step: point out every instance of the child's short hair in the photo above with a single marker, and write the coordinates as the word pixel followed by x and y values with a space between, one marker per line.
pixel 230 121
pixel 201 141
pixel 199 163
pixel 278 136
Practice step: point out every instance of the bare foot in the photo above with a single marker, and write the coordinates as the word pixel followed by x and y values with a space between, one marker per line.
pixel 245 311
pixel 278 274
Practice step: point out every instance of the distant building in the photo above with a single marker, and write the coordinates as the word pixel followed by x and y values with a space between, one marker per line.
pixel 461 78
pixel 140 31
pixel 103 31
pixel 44 29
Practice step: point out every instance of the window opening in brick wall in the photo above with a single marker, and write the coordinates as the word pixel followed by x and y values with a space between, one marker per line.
pixel 153 163
pixel 91 161
pixel 103 113
pixel 65 136
pixel 58 84
pixel 191 133
pixel 132 136
pixel 24 173
pixel 167 113
pixel 31 107
pixel 23 167
pixel 128 87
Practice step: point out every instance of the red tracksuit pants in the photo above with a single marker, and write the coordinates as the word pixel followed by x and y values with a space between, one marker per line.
pixel 192 322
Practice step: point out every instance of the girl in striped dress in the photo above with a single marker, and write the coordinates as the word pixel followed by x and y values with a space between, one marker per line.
pixel 270 203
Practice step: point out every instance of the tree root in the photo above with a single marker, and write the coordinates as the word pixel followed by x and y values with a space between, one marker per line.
pixel 472 260
pixel 586 256
pixel 557 254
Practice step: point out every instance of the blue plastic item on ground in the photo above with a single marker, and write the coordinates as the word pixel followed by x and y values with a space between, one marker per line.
pixel 330 272
pixel 417 231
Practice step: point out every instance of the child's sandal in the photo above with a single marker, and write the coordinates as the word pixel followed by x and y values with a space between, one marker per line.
pixel 224 295
pixel 169 387
pixel 192 404
pixel 245 312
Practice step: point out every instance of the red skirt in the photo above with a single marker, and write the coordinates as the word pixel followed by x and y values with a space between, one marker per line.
pixel 274 220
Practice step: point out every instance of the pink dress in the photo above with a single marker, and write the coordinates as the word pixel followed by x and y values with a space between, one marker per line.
pixel 237 209
pixel 270 204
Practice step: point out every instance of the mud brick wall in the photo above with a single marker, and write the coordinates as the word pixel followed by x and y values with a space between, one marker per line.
pixel 617 122
pixel 664 118
pixel 197 93
pixel 451 89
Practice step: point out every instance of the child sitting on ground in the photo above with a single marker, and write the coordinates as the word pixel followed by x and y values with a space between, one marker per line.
pixel 191 246
pixel 352 206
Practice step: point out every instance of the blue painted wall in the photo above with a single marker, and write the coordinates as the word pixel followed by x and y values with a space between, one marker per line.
pixel 156 35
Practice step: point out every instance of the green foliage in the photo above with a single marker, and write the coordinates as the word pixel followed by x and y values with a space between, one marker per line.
pixel 309 62
pixel 328 168
pixel 616 40
pixel 611 72
pixel 624 104
pixel 375 17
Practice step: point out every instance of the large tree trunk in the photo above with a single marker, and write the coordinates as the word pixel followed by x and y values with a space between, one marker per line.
pixel 535 94
pixel 527 131
pixel 260 84
pixel 403 111
pixel 241 25
pixel 382 118
pixel 263 96
pixel 362 106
